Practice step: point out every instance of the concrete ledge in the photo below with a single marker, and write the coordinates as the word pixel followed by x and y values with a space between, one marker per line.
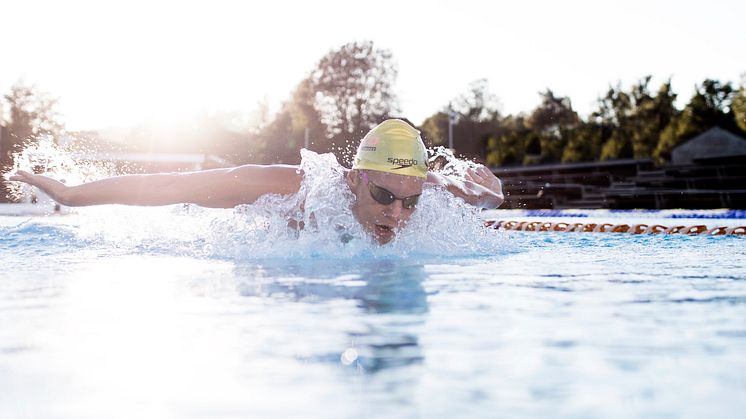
pixel 32 209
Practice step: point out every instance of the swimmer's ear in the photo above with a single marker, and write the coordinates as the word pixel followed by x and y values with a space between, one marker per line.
pixel 352 177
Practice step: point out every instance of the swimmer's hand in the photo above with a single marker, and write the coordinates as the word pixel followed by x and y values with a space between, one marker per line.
pixel 479 187
pixel 54 188
pixel 483 176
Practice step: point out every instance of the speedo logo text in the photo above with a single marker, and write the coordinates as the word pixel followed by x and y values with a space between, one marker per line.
pixel 403 163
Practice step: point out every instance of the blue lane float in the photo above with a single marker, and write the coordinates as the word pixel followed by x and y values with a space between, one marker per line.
pixel 637 213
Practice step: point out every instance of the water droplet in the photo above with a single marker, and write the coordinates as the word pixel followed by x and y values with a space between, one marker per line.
pixel 348 356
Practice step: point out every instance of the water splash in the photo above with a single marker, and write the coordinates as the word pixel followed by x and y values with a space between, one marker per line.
pixel 443 161
pixel 442 226
pixel 46 156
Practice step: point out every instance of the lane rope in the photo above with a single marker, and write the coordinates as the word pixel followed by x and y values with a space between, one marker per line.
pixel 563 227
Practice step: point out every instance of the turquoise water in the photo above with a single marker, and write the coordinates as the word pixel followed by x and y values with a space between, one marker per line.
pixel 169 313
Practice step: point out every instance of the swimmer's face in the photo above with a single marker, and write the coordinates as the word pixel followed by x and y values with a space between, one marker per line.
pixel 381 220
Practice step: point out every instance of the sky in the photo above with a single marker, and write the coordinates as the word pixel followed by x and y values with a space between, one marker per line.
pixel 119 63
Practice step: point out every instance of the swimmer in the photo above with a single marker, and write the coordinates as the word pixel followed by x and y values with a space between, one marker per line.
pixel 387 176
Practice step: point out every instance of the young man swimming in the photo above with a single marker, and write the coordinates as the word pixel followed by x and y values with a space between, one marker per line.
pixel 387 177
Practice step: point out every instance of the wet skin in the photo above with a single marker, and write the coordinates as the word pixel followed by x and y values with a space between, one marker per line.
pixel 382 221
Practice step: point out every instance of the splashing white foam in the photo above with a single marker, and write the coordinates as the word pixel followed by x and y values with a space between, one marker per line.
pixel 442 225
pixel 46 156
pixel 443 161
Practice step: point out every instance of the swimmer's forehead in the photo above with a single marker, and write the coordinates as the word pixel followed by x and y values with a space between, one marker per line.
pixel 391 180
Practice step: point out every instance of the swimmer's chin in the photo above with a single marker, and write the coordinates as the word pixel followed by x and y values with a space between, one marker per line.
pixel 383 234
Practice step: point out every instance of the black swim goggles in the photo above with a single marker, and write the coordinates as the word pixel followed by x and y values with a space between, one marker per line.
pixel 385 197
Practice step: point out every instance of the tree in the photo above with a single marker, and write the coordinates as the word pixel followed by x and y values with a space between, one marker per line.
pixel 612 116
pixel 477 105
pixel 709 107
pixel 553 114
pixel 509 147
pixel 30 113
pixel 650 116
pixel 477 118
pixel 550 122
pixel 435 129
pixel 285 135
pixel 739 105
pixel 583 143
pixel 630 122
pixel 353 89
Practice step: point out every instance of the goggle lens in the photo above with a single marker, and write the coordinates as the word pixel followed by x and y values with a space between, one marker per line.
pixel 385 197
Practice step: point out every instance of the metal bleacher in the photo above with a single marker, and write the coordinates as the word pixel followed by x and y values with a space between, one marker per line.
pixel 627 184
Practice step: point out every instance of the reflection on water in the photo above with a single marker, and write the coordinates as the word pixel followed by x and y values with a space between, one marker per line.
pixel 389 294
pixel 560 326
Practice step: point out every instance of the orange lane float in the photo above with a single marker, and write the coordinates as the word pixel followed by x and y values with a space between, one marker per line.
pixel 612 228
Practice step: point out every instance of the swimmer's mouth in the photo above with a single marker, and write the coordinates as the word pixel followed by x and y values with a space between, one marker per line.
pixel 384 229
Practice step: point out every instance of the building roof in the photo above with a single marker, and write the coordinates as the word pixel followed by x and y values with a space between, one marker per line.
pixel 715 142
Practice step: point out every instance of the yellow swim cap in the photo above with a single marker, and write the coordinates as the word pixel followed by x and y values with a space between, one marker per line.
pixel 392 146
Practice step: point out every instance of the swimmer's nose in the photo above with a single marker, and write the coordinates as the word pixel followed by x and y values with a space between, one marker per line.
pixel 395 210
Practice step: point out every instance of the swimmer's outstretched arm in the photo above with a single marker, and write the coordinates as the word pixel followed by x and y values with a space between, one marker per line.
pixel 217 188
pixel 480 187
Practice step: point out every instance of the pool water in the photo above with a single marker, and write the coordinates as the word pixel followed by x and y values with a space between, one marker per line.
pixel 138 314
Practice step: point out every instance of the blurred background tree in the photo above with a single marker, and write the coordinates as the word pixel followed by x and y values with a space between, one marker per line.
pixel 28 114
pixel 286 134
pixel 709 107
pixel 476 118
pixel 650 116
pixel 435 129
pixel 583 143
pixel 631 121
pixel 353 90
pixel 551 124
pixel 509 147
pixel 614 110
pixel 739 105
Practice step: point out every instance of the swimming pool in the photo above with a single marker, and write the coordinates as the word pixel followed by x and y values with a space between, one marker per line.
pixel 165 313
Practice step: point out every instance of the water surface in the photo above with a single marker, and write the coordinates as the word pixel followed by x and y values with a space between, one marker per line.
pixel 102 320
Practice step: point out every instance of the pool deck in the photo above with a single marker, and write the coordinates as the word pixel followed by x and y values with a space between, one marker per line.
pixel 32 209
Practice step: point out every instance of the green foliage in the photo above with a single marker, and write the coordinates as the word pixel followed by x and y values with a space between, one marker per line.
pixel 509 148
pixel 631 121
pixel 710 106
pixel 538 138
pixel 613 113
pixel 26 114
pixel 652 115
pixel 583 143
pixel 286 134
pixel 353 88
pixel 31 113
pixel 435 130
pixel 553 115
pixel 627 123
pixel 350 90
pixel 739 105
pixel 477 118
pixel 551 124
pixel 476 122
pixel 477 105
